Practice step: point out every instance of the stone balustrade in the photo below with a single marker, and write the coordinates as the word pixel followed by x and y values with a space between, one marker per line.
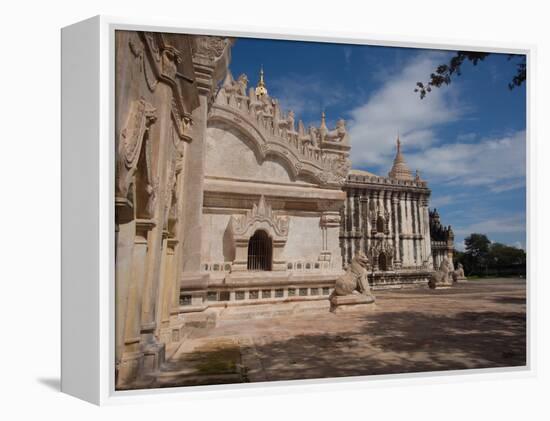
pixel 375 179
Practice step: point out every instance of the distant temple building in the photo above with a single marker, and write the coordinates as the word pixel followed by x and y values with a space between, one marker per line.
pixel 388 218
pixel 226 203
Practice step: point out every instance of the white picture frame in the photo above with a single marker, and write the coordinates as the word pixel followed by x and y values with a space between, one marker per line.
pixel 88 212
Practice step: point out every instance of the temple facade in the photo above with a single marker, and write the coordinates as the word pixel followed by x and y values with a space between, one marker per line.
pixel 388 218
pixel 272 200
pixel 227 204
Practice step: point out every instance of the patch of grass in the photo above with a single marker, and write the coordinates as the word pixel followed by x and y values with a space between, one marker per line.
pixel 220 361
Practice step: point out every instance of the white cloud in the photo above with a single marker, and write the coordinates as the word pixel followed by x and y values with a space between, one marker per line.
pixel 438 201
pixel 500 225
pixel 466 137
pixel 447 199
pixel 396 108
pixel 497 163
pixel 518 245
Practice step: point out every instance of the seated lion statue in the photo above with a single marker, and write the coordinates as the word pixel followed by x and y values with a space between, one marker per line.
pixel 458 274
pixel 442 276
pixel 354 281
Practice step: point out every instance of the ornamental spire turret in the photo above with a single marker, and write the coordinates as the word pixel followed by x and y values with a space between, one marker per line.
pixel 261 90
pixel 323 120
pixel 400 170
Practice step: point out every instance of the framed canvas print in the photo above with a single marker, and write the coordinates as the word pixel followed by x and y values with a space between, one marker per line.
pixel 247 209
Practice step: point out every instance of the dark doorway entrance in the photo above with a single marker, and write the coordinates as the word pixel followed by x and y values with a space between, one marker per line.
pixel 382 263
pixel 259 251
pixel 380 224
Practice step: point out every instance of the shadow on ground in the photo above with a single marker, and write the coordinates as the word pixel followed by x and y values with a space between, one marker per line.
pixel 389 343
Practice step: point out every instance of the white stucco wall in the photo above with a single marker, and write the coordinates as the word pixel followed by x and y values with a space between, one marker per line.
pixel 304 239
pixel 333 245
pixel 227 155
pixel 217 244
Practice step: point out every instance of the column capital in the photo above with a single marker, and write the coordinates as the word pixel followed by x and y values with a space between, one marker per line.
pixel 211 56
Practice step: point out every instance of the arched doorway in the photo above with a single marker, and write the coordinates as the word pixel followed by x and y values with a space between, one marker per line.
pixel 382 262
pixel 259 251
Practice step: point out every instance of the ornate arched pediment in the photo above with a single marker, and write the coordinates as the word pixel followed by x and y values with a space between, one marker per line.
pixel 274 134
pixel 266 147
pixel 261 217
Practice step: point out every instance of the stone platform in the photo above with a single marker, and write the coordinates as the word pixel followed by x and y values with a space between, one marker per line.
pixel 478 324
pixel 351 303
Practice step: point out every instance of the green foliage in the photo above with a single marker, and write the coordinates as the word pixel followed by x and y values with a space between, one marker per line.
pixel 503 255
pixel 476 252
pixel 483 258
pixel 445 72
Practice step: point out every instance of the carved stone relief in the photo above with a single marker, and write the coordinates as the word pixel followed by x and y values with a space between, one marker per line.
pixel 140 117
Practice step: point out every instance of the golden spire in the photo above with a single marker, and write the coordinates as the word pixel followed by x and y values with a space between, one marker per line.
pixel 261 90
pixel 323 119
pixel 262 83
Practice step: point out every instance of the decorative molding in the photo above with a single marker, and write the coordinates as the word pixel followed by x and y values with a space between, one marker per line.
pixel 330 219
pixel 379 182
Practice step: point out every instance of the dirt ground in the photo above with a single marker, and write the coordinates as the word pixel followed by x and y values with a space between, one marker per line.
pixel 477 324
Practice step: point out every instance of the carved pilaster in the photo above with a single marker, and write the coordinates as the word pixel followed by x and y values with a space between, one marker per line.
pixel 397 230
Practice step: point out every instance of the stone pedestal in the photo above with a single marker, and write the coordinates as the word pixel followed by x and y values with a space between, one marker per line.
pixel 153 357
pixel 349 303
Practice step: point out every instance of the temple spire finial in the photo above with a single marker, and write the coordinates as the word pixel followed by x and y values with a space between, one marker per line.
pixel 262 83
pixel 398 143
pixel 400 170
pixel 261 90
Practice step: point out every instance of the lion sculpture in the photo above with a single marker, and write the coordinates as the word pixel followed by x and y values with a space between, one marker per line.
pixel 354 281
pixel 441 277
pixel 458 274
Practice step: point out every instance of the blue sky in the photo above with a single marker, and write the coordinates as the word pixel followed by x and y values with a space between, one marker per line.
pixel 466 139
